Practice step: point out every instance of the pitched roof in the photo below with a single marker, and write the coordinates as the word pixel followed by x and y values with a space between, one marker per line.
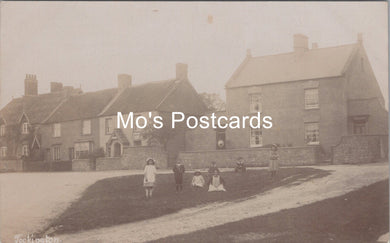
pixel 143 97
pixel 83 106
pixel 293 66
pixel 36 108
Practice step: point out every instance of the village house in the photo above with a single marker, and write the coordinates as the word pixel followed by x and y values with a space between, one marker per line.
pixel 325 104
pixel 314 96
pixel 22 118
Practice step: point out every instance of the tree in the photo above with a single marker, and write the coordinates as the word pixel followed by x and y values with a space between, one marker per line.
pixel 213 102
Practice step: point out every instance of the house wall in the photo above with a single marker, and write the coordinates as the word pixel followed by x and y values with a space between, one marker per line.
pixel 71 132
pixel 284 102
pixel 200 139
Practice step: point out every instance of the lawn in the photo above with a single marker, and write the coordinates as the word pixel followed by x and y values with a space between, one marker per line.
pixel 359 216
pixel 121 200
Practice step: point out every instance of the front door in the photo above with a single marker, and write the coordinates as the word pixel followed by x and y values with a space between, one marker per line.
pixel 117 150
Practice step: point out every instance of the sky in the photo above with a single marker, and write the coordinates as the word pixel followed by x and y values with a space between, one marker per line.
pixel 88 44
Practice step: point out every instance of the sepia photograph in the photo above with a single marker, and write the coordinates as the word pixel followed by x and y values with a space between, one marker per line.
pixel 192 121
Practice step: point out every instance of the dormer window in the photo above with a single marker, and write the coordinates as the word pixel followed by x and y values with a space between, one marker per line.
pixel 2 130
pixel 25 128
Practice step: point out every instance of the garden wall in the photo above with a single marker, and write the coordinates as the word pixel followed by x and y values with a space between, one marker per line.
pixel 308 155
pixel 82 165
pixel 11 165
pixel 134 158
pixel 357 149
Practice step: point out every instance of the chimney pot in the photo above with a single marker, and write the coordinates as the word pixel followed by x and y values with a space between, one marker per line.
pixel 30 85
pixel 124 81
pixel 181 71
pixel 300 43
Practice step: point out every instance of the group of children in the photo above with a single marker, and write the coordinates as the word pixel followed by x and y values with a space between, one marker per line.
pixel 215 181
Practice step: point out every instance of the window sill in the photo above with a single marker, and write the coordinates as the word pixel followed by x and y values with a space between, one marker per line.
pixel 312 108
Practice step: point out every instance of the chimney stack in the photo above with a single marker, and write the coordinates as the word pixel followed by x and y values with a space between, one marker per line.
pixel 55 87
pixel 314 45
pixel 30 85
pixel 360 38
pixel 124 81
pixel 300 43
pixel 181 71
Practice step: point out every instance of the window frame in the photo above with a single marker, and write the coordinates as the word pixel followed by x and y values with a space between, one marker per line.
pixel 251 103
pixel 253 145
pixel 25 128
pixel 3 151
pixel 56 153
pixel 311 106
pixel 25 150
pixel 306 124
pixel 78 152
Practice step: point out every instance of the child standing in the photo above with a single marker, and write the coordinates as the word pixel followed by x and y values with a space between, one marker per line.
pixel 178 172
pixel 273 163
pixel 149 177
pixel 197 180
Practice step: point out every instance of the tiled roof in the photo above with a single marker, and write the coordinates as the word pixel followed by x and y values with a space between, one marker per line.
pixel 83 106
pixel 140 98
pixel 37 108
pixel 293 66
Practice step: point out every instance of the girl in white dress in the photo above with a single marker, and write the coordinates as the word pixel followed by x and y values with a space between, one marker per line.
pixel 149 177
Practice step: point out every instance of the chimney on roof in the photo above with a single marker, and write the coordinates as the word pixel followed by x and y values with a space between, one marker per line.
pixel 30 85
pixel 300 43
pixel 124 81
pixel 314 45
pixel 55 87
pixel 181 71
pixel 360 38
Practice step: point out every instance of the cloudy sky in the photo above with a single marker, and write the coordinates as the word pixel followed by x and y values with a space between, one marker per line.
pixel 88 43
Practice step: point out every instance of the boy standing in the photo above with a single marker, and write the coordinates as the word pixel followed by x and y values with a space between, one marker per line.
pixel 178 171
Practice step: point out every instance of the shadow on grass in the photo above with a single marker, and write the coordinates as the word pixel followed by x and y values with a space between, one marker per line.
pixel 121 200
pixel 360 216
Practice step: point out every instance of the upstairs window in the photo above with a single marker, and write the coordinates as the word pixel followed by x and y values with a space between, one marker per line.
pixel 255 103
pixel 56 130
pixel 312 133
pixel 108 126
pixel 86 129
pixel 25 128
pixel 2 130
pixel 311 99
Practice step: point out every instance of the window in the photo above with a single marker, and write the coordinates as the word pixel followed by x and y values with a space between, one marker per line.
pixel 137 132
pixel 2 130
pixel 57 130
pixel 255 103
pixel 108 126
pixel 25 128
pixel 359 125
pixel 256 137
pixel 82 149
pixel 312 133
pixel 3 152
pixel 86 127
pixel 311 99
pixel 56 152
pixel 25 150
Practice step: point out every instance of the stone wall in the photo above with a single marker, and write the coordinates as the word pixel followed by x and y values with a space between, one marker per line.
pixel 11 165
pixel 253 157
pixel 134 158
pixel 82 165
pixel 357 149
pixel 110 164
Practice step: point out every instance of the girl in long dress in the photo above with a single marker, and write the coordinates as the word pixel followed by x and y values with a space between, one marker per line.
pixel 149 177
pixel 273 162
